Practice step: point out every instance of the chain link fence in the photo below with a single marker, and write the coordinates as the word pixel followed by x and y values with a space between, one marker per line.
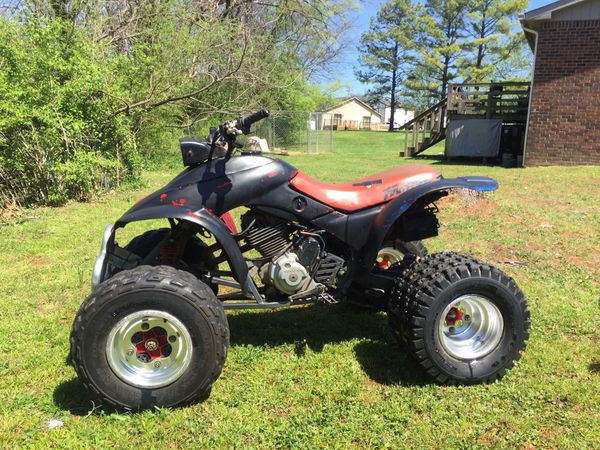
pixel 297 132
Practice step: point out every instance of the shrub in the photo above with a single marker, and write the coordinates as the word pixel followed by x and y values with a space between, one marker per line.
pixel 57 139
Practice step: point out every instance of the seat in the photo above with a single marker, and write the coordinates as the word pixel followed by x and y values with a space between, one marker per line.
pixel 366 192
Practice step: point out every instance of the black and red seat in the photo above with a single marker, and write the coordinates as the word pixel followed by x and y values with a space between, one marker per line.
pixel 366 192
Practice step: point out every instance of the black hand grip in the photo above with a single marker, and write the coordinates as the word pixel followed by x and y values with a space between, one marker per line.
pixel 244 123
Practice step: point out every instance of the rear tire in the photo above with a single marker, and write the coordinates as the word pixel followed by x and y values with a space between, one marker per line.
pixel 394 252
pixel 464 322
pixel 150 336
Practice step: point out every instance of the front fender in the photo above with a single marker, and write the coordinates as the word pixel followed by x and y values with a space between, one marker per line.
pixel 388 216
pixel 205 219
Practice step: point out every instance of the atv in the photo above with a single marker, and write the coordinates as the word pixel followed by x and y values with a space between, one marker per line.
pixel 154 332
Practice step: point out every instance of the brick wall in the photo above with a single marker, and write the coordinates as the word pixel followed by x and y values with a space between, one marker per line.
pixel 564 126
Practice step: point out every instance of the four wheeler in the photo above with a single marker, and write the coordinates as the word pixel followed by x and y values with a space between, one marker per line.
pixel 154 333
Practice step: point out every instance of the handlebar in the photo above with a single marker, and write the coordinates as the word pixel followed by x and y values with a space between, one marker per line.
pixel 244 123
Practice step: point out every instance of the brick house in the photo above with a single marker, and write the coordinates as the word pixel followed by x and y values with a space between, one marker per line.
pixel 563 126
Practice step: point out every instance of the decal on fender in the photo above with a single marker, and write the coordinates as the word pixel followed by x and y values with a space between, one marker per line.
pixel 399 189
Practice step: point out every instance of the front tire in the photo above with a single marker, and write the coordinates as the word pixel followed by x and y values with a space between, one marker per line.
pixel 465 322
pixel 150 336
pixel 195 258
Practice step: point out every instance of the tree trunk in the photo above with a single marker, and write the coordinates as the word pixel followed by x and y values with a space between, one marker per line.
pixel 444 78
pixel 481 46
pixel 393 90
pixel 392 101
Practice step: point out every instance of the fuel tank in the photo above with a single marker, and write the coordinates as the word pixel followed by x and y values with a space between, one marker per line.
pixel 218 186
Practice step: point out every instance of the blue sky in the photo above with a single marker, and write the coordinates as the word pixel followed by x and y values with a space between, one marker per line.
pixel 345 69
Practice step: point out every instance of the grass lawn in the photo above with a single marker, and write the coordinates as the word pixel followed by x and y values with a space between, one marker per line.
pixel 328 376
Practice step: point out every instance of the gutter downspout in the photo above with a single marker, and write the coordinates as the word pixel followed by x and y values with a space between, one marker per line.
pixel 535 33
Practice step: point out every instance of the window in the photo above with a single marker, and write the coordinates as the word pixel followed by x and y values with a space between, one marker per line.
pixel 337 119
pixel 366 122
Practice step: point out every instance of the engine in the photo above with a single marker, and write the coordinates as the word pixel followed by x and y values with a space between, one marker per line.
pixel 269 235
pixel 287 274
pixel 295 260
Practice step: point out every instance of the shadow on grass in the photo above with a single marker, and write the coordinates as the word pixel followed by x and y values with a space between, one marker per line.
pixel 594 367
pixel 308 327
pixel 75 398
pixel 386 363
pixel 314 327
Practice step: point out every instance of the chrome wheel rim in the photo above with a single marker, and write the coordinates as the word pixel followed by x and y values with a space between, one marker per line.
pixel 470 327
pixel 149 349
pixel 387 257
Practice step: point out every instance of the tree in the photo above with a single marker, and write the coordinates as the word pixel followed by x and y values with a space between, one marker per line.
pixel 490 38
pixel 441 45
pixel 91 90
pixel 387 49
pixel 517 66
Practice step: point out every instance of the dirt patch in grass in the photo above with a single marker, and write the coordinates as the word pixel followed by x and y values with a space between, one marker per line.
pixel 9 212
pixel 39 261
pixel 535 247
pixel 509 256
pixel 589 262
pixel 551 203
pixel 470 203
pixel 482 208
pixel 502 252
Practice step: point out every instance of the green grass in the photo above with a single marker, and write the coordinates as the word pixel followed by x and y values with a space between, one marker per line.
pixel 328 376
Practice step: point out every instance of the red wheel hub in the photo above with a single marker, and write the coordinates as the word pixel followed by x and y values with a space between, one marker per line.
pixel 453 315
pixel 151 344
pixel 384 263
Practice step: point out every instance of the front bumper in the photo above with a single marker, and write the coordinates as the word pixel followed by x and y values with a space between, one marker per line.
pixel 99 271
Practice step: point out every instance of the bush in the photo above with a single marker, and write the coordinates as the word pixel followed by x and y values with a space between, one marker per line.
pixel 85 101
pixel 57 139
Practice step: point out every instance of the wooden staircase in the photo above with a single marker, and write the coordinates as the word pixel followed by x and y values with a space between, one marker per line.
pixel 425 130
pixel 508 101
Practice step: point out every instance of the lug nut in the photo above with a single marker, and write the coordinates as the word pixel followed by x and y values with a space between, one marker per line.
pixel 130 352
pixel 145 326
pixel 467 317
pixel 172 338
pixel 157 364
pixel 451 329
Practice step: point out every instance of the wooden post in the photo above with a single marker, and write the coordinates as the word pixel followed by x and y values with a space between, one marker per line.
pixel 443 112
pixel 415 138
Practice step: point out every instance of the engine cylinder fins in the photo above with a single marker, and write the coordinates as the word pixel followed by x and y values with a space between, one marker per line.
pixel 268 236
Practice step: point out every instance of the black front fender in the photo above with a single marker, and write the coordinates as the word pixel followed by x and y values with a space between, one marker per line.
pixel 388 216
pixel 205 219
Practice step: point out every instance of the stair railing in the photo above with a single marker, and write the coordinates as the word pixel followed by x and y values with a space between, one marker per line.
pixel 424 128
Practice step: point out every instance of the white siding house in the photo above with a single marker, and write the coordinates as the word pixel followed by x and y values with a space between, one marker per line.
pixel 401 116
pixel 351 114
